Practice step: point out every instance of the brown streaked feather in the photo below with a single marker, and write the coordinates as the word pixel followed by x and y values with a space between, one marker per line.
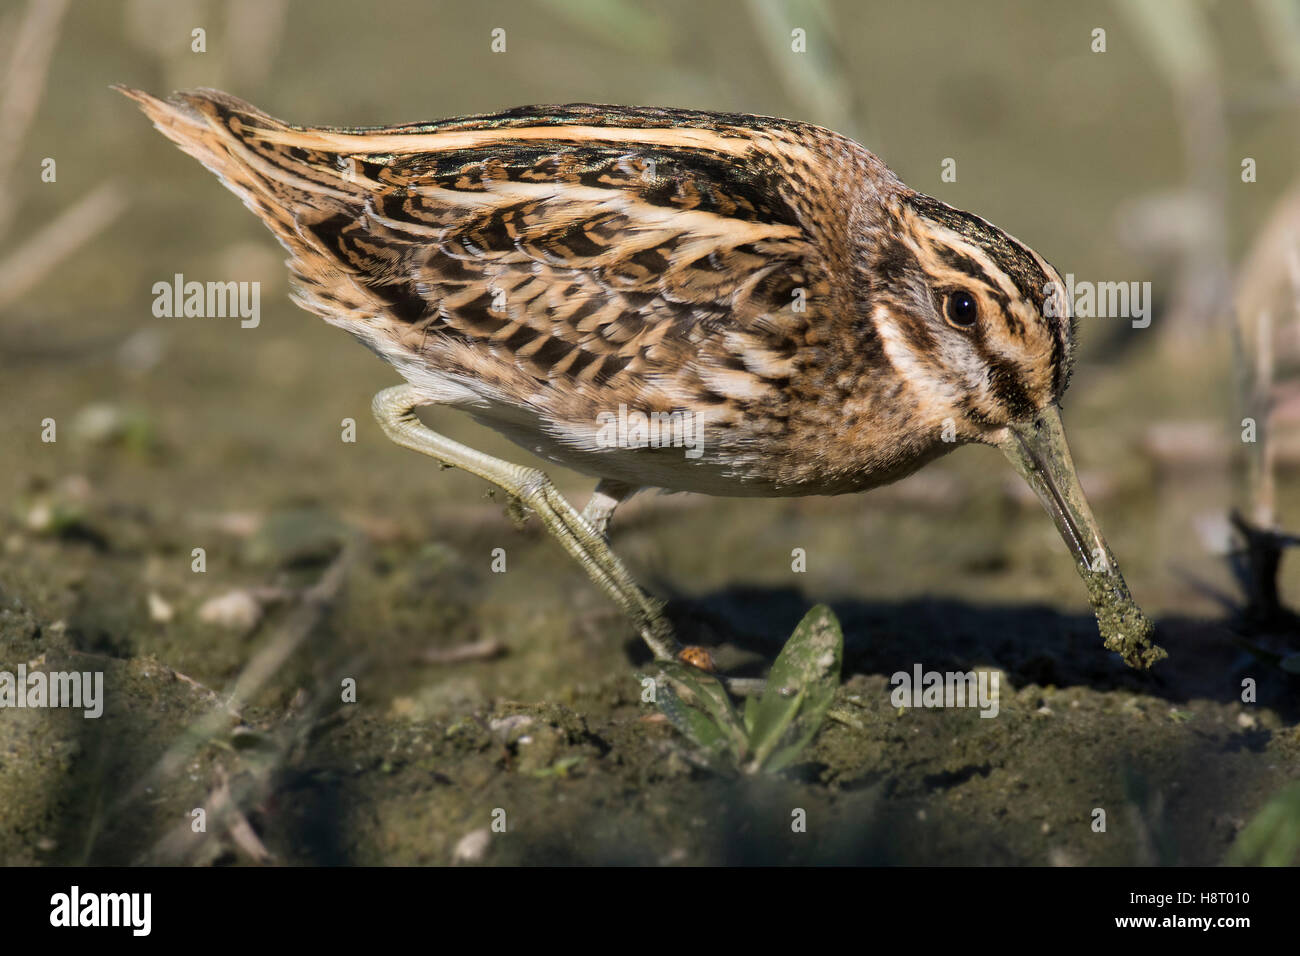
pixel 555 262
pixel 544 266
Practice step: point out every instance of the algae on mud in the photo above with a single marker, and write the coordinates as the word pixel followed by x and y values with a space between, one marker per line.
pixel 1124 628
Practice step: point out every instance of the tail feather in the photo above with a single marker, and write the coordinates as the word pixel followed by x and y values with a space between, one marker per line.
pixel 208 124
pixel 285 184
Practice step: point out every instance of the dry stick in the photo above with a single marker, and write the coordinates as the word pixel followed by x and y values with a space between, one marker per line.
pixel 474 651
pixel 1265 498
pixel 1293 266
pixel 225 803
pixel 316 602
pixel 306 618
pixel 1180 41
pixel 1271 255
pixel 24 83
pixel 237 825
pixel 222 812
pixel 1264 543
pixel 71 229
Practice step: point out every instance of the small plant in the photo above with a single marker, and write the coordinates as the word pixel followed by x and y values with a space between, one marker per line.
pixel 1273 837
pixel 776 727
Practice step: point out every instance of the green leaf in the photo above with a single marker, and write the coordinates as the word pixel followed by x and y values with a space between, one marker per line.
pixel 751 713
pixel 1273 837
pixel 697 705
pixel 805 731
pixel 799 690
pixel 1288 662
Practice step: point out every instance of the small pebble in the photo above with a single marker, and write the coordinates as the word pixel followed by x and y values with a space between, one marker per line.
pixel 472 847
pixel 237 610
pixel 159 610
pixel 504 725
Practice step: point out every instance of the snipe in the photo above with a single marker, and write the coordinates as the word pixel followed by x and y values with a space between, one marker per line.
pixel 727 304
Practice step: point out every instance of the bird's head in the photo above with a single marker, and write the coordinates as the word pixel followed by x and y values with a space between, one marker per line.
pixel 979 324
pixel 975 318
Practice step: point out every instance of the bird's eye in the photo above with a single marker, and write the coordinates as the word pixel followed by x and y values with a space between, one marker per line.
pixel 961 309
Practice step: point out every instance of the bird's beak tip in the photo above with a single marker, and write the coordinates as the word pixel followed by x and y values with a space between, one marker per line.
pixel 1039 452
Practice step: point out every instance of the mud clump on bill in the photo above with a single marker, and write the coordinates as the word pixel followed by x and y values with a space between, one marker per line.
pixel 1124 628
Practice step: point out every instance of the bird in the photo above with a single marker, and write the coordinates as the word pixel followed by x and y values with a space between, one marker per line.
pixel 666 298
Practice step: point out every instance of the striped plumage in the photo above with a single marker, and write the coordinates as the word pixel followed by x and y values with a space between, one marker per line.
pixel 538 266
pixel 826 328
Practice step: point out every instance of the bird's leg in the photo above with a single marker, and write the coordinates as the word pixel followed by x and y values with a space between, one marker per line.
pixel 394 409
pixel 609 494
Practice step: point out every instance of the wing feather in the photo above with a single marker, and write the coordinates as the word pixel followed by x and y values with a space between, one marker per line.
pixel 552 257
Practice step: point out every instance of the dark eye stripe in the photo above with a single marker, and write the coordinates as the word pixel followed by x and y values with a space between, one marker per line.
pixel 1062 363
pixel 1005 382
pixel 1003 378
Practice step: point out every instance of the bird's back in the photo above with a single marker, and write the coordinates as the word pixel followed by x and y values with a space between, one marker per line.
pixel 546 268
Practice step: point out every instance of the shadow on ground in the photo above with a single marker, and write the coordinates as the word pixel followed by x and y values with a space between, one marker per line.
pixel 1031 644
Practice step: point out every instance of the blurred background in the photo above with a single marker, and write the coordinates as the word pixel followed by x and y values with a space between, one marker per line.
pixel 1162 149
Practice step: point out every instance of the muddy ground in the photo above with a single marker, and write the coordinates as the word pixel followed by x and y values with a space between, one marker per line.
pixel 363 562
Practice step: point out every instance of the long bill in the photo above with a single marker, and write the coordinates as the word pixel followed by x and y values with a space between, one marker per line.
pixel 1038 451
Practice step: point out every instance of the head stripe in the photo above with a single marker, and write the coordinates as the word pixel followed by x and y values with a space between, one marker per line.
pixel 1021 266
pixel 1013 259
